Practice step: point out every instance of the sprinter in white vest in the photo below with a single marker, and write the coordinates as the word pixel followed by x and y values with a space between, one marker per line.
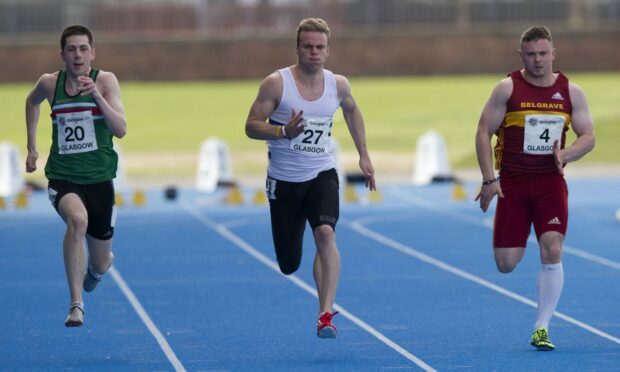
pixel 294 113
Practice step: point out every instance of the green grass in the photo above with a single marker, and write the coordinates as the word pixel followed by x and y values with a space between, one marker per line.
pixel 174 118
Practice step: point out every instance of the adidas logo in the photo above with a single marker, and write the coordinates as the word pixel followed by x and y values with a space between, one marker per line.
pixel 557 96
pixel 554 221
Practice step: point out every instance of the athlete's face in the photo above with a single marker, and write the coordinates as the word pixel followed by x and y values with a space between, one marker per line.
pixel 77 55
pixel 537 57
pixel 312 50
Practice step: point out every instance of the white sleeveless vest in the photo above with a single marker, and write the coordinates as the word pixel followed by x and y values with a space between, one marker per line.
pixel 304 157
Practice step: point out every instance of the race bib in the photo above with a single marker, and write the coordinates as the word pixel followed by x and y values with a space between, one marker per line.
pixel 315 139
pixel 541 132
pixel 76 132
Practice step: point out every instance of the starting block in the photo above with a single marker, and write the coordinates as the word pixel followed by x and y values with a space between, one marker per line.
pixel 214 165
pixel 260 197
pixel 21 200
pixel 375 196
pixel 350 195
pixel 431 160
pixel 122 187
pixel 139 198
pixel 458 192
pixel 234 196
pixel 118 199
pixel 11 174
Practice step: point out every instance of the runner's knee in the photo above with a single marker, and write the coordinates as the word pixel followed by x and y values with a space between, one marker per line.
pixel 506 263
pixel 77 223
pixel 504 266
pixel 551 247
pixel 288 267
pixel 323 234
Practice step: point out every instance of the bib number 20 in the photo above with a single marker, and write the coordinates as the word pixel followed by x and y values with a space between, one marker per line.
pixel 74 134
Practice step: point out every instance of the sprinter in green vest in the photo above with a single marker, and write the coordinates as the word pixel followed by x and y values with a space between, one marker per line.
pixel 86 113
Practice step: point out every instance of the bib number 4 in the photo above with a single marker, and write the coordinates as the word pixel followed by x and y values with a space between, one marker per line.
pixel 541 132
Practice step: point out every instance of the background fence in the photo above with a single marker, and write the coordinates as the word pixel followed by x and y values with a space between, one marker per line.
pixel 23 19
pixel 238 39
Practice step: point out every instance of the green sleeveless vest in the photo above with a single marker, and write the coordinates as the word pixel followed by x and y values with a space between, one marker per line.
pixel 81 150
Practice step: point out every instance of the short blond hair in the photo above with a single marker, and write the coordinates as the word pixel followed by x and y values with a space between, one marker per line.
pixel 313 25
pixel 536 33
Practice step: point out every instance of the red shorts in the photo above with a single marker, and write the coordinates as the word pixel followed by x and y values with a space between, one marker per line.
pixel 541 199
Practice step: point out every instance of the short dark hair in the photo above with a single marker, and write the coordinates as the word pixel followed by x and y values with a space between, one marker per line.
pixel 313 25
pixel 75 31
pixel 536 33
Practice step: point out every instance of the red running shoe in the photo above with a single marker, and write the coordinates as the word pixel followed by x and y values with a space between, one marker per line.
pixel 325 328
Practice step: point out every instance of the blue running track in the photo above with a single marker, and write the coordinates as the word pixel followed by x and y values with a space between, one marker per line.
pixel 195 287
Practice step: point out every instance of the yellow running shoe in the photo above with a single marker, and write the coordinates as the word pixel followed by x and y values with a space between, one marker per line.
pixel 541 341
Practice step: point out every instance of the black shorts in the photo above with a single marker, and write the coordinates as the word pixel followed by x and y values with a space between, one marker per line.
pixel 98 199
pixel 292 204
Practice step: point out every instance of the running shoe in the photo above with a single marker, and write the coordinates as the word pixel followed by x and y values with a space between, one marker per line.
pixel 541 341
pixel 92 279
pixel 76 315
pixel 325 328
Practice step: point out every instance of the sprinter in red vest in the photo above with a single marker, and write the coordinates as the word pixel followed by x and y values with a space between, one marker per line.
pixel 530 112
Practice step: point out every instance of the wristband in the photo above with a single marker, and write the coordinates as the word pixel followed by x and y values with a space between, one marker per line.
pixel 284 131
pixel 492 180
pixel 278 132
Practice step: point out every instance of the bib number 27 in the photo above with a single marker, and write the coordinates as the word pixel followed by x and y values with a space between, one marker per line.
pixel 312 137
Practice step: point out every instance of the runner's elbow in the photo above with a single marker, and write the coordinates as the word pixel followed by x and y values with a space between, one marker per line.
pixel 120 133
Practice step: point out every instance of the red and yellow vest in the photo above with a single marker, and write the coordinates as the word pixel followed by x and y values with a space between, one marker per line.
pixel 535 118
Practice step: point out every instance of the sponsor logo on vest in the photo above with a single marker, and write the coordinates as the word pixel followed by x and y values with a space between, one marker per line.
pixel 542 105
pixel 75 120
pixel 535 121
pixel 557 96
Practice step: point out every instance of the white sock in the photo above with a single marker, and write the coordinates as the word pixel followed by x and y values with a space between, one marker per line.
pixel 550 283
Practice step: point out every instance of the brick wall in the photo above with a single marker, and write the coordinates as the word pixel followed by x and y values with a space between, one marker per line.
pixel 374 55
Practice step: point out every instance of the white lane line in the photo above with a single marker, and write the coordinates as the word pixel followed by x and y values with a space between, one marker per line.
pixel 226 233
pixel 476 221
pixel 358 227
pixel 146 319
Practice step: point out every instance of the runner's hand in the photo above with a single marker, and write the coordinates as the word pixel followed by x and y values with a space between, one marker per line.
pixel 31 161
pixel 369 174
pixel 487 193
pixel 87 86
pixel 294 127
